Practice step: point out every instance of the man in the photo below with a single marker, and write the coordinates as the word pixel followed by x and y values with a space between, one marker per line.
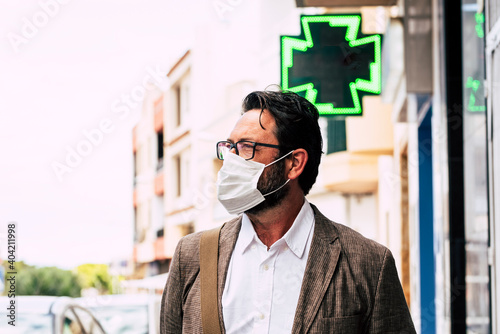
pixel 283 267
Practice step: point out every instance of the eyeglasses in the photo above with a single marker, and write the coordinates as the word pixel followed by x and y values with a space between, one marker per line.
pixel 245 149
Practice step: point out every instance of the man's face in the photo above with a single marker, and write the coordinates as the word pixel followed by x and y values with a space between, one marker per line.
pixel 248 128
pixel 274 176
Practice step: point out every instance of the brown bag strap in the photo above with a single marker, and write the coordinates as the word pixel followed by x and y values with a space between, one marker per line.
pixel 209 256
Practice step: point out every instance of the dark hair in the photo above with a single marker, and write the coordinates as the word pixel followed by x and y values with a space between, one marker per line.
pixel 296 127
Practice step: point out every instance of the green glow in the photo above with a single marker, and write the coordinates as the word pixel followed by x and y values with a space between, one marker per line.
pixel 479 25
pixel 474 84
pixel 352 22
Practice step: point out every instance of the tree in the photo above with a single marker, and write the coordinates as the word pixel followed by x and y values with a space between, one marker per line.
pixel 95 276
pixel 47 281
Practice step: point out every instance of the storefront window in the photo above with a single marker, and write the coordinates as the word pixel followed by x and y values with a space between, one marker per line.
pixel 475 169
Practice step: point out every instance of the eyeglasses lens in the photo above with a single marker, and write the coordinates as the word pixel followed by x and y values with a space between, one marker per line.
pixel 245 150
pixel 222 149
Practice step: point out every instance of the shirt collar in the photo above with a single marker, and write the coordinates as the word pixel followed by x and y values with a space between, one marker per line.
pixel 247 234
pixel 296 237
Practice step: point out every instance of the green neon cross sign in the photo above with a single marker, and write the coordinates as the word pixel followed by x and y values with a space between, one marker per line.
pixel 332 64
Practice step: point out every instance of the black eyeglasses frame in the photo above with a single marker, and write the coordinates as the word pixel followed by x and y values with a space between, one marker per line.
pixel 234 145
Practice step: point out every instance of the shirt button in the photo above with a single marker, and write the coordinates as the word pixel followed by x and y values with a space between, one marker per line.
pixel 253 247
pixel 266 267
pixel 261 316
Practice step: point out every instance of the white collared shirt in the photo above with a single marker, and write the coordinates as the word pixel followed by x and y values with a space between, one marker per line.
pixel 262 287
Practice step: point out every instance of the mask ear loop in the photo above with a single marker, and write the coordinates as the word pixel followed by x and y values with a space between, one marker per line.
pixel 280 158
pixel 284 184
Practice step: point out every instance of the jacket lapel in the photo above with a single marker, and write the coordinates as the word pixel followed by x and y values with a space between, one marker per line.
pixel 323 257
pixel 227 240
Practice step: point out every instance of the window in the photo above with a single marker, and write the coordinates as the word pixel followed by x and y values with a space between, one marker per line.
pixel 178 174
pixel 135 167
pixel 336 133
pixel 180 98
pixel 475 170
pixel 159 137
pixel 158 214
pixel 141 222
pixel 180 167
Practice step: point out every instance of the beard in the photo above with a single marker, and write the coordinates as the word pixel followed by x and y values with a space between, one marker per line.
pixel 272 178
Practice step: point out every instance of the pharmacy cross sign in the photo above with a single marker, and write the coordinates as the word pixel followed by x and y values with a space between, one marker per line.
pixel 332 64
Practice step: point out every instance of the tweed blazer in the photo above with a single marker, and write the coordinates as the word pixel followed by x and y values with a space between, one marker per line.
pixel 350 284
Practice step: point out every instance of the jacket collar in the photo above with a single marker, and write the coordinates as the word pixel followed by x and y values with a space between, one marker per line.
pixel 321 264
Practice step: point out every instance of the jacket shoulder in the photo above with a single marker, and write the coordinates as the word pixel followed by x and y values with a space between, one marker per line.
pixel 364 256
pixel 355 245
pixel 188 248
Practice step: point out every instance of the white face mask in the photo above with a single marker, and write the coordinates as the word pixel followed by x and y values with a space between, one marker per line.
pixel 237 183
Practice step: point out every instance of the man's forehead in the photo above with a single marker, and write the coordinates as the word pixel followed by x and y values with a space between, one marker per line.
pixel 249 126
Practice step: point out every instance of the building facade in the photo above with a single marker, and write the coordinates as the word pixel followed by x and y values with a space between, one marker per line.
pixel 149 256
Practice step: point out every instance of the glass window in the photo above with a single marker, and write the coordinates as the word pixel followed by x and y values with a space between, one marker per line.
pixel 337 140
pixel 475 170
pixel 178 174
pixel 180 96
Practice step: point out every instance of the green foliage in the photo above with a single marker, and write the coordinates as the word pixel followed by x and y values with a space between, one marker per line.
pixel 52 281
pixel 47 281
pixel 95 276
pixel 18 265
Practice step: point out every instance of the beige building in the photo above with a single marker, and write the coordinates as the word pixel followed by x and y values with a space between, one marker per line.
pixel 148 198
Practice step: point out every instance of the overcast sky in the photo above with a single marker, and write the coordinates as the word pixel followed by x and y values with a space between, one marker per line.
pixel 63 66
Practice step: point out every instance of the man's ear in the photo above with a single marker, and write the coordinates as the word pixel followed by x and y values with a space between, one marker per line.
pixel 297 163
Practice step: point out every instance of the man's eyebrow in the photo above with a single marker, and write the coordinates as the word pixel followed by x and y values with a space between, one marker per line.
pixel 246 139
pixel 241 139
